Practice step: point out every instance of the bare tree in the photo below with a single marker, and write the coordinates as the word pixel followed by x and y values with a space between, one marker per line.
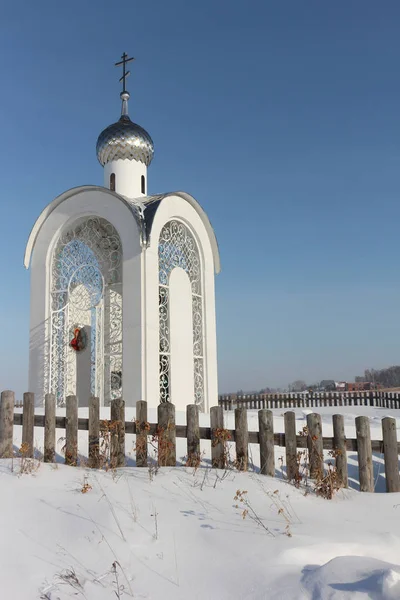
pixel 298 386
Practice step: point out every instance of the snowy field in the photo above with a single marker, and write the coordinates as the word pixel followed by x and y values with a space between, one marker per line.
pixel 179 535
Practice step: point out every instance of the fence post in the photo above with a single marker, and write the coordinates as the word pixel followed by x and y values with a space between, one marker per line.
pixel 49 428
pixel 117 426
pixel 339 446
pixel 242 439
pixel 291 445
pixel 71 431
pixel 28 424
pixel 218 441
pixel 364 449
pixel 315 445
pixel 94 432
pixel 391 454
pixel 266 439
pixel 193 435
pixel 6 424
pixel 167 435
pixel 141 433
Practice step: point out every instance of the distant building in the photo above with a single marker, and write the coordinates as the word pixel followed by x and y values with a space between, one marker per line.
pixel 341 386
pixel 362 386
pixel 329 385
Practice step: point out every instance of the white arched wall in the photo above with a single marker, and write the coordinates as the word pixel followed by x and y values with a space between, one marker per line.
pixel 175 207
pixel 181 338
pixel 58 216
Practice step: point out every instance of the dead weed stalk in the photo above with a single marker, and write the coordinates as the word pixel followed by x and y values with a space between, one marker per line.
pixel 248 511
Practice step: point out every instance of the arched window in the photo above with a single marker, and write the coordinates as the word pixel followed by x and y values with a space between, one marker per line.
pixel 85 345
pixel 112 182
pixel 178 248
pixel 143 184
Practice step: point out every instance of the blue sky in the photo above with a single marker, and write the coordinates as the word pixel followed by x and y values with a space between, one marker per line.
pixel 282 120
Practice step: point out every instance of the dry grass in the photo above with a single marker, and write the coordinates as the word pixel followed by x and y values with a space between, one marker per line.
pixel 27 465
pixel 325 483
pixel 220 438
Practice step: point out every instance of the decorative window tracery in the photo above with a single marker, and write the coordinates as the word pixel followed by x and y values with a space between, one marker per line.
pixel 86 294
pixel 178 248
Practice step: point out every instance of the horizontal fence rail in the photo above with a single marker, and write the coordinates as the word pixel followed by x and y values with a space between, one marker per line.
pixel 163 436
pixel 205 433
pixel 390 400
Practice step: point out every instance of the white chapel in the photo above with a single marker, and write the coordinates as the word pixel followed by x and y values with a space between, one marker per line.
pixel 122 285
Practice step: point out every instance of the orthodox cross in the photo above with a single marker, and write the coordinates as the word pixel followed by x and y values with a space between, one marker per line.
pixel 125 73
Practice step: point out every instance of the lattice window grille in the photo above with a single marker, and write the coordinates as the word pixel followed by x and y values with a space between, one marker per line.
pixel 86 261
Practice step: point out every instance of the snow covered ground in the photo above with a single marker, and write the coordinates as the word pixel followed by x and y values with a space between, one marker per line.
pixel 178 534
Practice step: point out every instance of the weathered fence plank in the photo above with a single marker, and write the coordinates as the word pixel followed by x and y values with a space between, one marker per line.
pixel 266 440
pixel 71 431
pixel 27 424
pixel 6 423
pixel 291 445
pixel 315 445
pixel 242 439
pixel 117 433
pixel 365 467
pixel 218 441
pixel 49 428
pixel 390 454
pixel 193 435
pixel 339 447
pixel 166 435
pixel 94 432
pixel 142 430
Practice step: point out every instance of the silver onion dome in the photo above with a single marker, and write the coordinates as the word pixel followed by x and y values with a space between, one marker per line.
pixel 124 139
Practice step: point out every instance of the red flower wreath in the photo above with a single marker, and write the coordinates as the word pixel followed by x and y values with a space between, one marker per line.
pixel 78 341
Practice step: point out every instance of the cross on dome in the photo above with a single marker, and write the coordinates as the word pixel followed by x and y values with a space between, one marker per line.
pixel 124 95
pixel 125 60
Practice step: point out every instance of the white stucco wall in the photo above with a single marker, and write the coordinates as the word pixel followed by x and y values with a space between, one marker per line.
pixel 58 217
pixel 82 360
pixel 181 339
pixel 175 207
pixel 128 174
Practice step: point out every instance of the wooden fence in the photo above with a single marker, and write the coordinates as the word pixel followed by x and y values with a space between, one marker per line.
pixel 390 400
pixel 165 431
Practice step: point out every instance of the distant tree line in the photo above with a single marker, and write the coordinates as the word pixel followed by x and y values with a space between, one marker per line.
pixel 389 377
